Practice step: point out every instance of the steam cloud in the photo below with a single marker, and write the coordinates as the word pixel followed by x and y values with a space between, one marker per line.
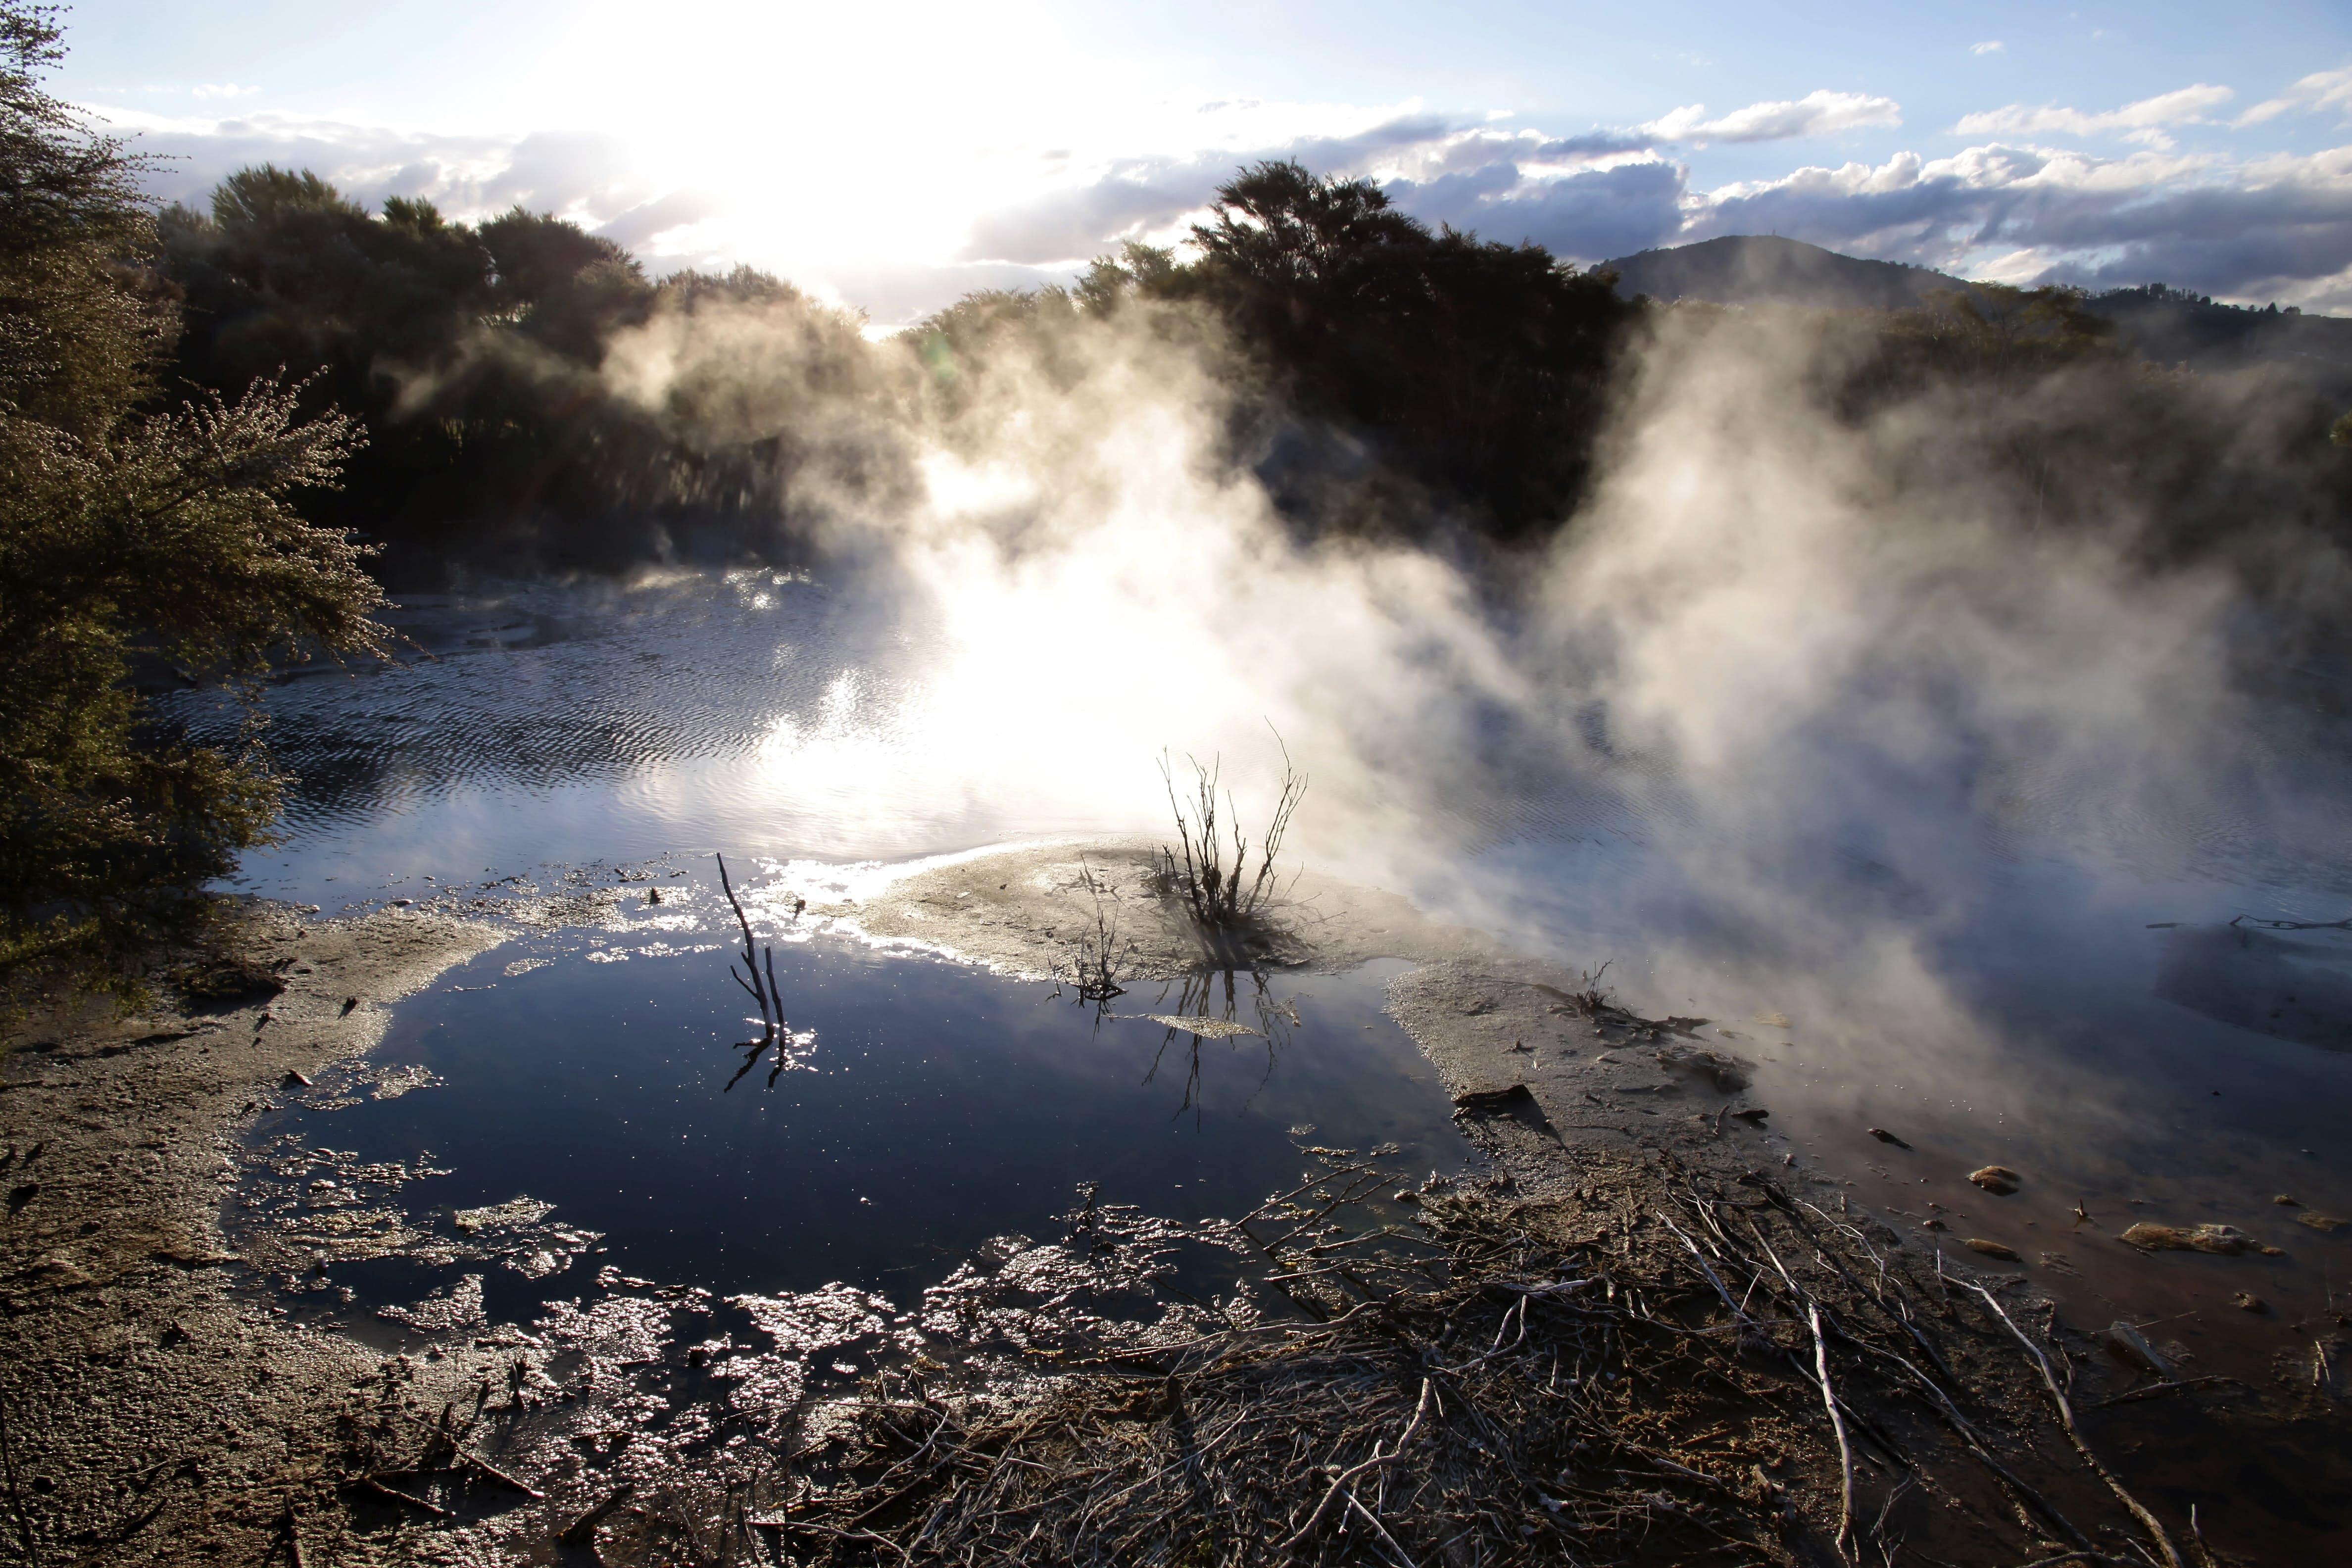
pixel 1827 671
pixel 1806 709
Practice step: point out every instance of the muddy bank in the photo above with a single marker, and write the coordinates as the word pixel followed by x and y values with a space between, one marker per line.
pixel 1548 1078
pixel 155 1413
pixel 151 1415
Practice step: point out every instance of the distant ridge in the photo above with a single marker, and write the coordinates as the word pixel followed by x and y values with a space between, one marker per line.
pixel 2166 326
pixel 1761 270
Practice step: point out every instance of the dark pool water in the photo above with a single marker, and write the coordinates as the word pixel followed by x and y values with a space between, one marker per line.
pixel 936 1107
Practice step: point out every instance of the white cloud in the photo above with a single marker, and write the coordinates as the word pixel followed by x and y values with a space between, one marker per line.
pixel 2321 90
pixel 1591 213
pixel 587 177
pixel 1134 197
pixel 2236 227
pixel 2277 227
pixel 1591 197
pixel 2142 121
pixel 1989 47
pixel 1818 113
pixel 223 89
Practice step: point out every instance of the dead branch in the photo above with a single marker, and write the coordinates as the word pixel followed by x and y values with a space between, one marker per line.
pixel 2149 1521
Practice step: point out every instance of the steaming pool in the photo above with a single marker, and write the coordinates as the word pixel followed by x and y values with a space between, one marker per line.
pixel 2071 1001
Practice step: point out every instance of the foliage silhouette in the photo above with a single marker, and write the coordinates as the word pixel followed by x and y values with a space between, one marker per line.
pixel 474 358
pixel 129 532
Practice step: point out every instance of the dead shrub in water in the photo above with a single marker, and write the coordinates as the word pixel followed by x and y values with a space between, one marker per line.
pixel 1095 962
pixel 790 1047
pixel 1215 893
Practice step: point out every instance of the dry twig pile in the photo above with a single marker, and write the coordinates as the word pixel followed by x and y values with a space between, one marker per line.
pixel 1727 1375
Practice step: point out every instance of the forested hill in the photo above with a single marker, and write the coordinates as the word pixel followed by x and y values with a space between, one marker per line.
pixel 2160 325
pixel 2171 327
pixel 1754 269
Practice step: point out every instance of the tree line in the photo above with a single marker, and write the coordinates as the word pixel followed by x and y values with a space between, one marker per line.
pixel 472 352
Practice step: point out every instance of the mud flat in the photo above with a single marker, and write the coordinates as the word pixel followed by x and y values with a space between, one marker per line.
pixel 1641 1334
pixel 151 1416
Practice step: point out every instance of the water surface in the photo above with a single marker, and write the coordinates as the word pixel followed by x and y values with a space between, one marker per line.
pixel 609 1094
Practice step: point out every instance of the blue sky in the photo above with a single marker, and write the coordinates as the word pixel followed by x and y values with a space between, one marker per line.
pixel 892 155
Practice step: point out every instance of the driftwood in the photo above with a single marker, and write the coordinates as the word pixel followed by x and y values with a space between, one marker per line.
pixel 2257 923
pixel 1433 1376
pixel 2147 1520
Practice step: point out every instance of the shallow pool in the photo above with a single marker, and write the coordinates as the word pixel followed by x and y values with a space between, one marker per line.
pixel 598 1102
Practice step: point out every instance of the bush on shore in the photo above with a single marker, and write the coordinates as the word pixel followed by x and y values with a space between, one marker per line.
pixel 130 532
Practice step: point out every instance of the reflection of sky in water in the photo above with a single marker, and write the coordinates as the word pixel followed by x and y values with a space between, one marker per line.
pixel 940 1106
pixel 2005 999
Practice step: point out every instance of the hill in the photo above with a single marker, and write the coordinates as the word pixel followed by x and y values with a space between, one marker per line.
pixel 2171 327
pixel 1758 269
pixel 2163 325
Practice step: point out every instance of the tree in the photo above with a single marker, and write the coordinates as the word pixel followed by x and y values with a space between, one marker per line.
pixel 129 533
pixel 1477 368
pixel 2004 335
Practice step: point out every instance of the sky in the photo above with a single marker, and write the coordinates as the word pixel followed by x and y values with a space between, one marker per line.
pixel 890 156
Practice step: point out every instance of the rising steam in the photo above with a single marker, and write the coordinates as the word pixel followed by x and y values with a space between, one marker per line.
pixel 1792 698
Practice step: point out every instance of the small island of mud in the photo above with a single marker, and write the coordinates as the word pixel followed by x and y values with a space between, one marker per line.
pixel 1640 1330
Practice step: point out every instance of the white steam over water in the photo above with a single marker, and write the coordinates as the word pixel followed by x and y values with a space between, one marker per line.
pixel 1772 644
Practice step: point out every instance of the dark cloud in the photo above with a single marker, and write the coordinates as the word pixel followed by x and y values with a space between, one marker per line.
pixel 1350 154
pixel 2181 225
pixel 2237 242
pixel 1594 144
pixel 1467 175
pixel 1088 220
pixel 2282 228
pixel 464 174
pixel 561 172
pixel 1588 215
pixel 1928 218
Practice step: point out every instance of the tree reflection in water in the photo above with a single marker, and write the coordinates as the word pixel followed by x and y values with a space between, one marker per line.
pixel 1208 1007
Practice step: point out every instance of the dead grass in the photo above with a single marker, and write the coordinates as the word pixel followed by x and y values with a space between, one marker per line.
pixel 1668 1365
pixel 1685 1372
pixel 1589 996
